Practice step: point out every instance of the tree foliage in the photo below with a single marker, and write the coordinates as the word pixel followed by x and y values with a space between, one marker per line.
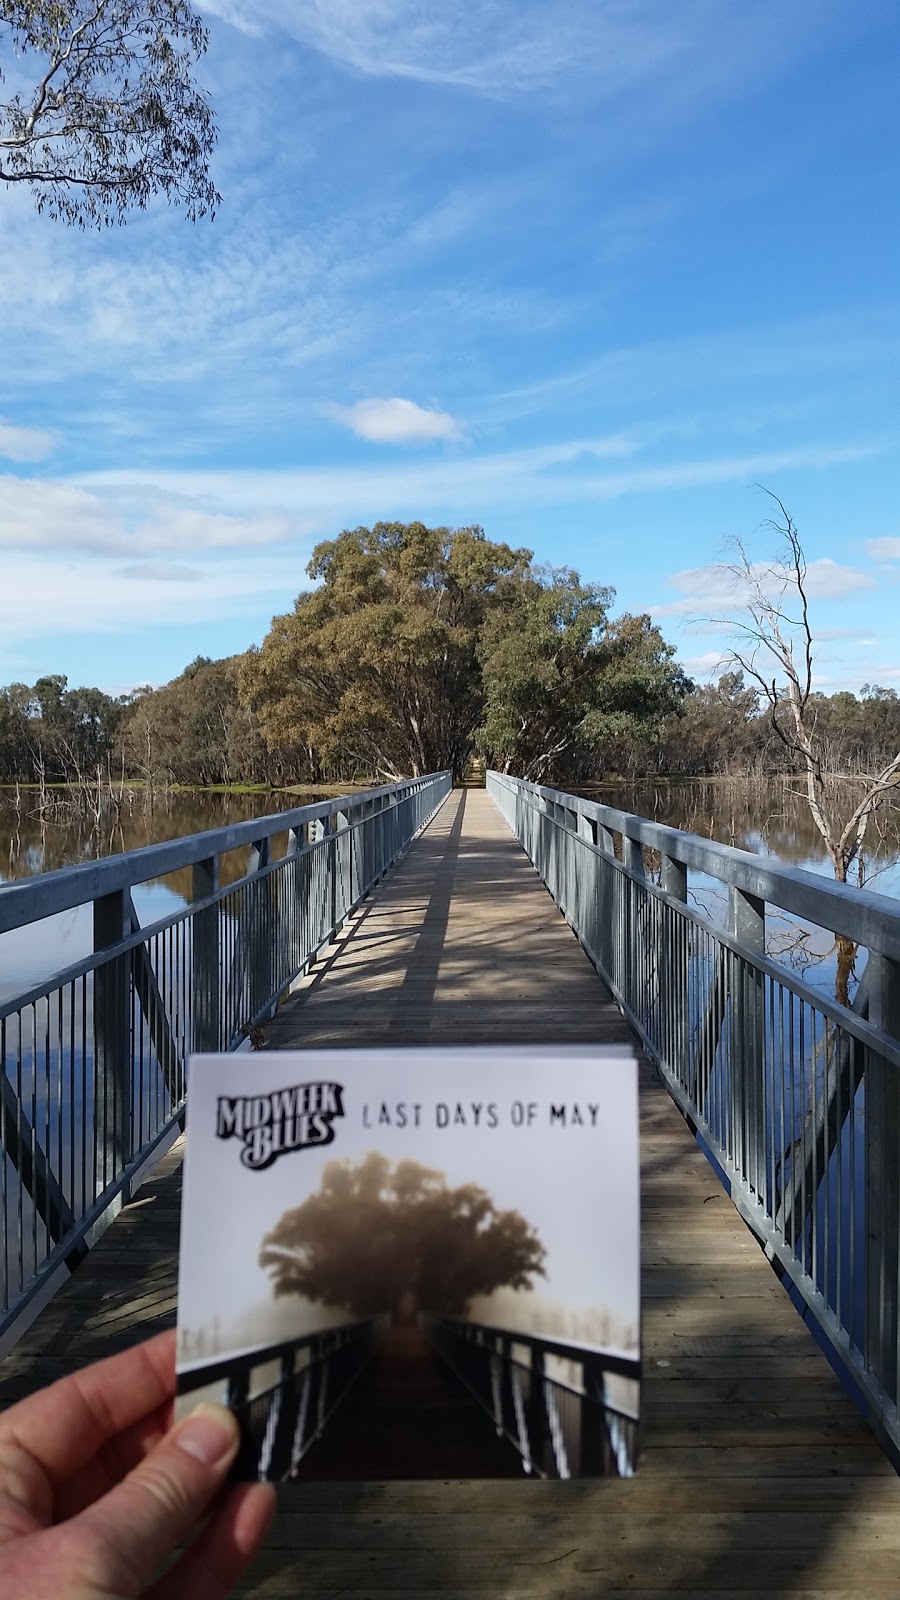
pixel 194 730
pixel 563 683
pixel 422 643
pixel 50 731
pixel 380 662
pixel 378 1236
pixel 111 114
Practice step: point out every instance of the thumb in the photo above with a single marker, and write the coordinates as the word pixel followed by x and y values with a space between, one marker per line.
pixel 145 1517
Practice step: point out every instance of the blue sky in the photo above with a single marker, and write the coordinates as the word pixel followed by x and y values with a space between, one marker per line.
pixel 584 273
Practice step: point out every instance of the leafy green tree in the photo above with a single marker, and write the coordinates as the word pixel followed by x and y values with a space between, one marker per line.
pixel 563 683
pixel 393 1237
pixel 720 730
pixel 379 665
pixel 193 730
pixel 111 114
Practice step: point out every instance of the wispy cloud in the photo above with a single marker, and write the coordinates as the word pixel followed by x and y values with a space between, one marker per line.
pixel 160 572
pixel 883 549
pixel 25 444
pixel 173 508
pixel 394 421
pixel 504 48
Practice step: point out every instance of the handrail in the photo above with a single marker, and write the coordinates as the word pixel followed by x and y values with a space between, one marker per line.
pixel 92 1081
pixel 32 899
pixel 560 1429
pixel 282 1422
pixel 795 1095
pixel 198 1375
pixel 861 915
pixel 617 1362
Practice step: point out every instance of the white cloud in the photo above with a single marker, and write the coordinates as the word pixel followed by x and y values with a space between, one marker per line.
pixel 715 588
pixel 707 666
pixel 883 549
pixel 395 421
pixel 24 444
pixel 56 514
pixel 829 580
pixel 40 598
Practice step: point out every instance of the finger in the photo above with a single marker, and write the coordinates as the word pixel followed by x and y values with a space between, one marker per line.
pixel 216 1560
pixel 112 1463
pixel 143 1520
pixel 65 1425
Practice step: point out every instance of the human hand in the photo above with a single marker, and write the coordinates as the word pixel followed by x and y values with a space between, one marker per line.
pixel 97 1489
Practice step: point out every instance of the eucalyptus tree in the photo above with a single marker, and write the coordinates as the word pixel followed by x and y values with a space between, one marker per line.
pixel 104 111
pixel 379 664
pixel 567 686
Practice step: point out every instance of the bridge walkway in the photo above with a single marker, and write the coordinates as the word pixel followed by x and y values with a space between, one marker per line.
pixel 757 1475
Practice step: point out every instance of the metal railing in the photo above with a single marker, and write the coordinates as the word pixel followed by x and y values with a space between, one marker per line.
pixel 557 1403
pixel 93 1079
pixel 796 1096
pixel 281 1421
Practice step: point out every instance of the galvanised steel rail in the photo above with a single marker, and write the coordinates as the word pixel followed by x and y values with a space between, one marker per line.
pixel 796 1097
pixel 565 1407
pixel 93 1079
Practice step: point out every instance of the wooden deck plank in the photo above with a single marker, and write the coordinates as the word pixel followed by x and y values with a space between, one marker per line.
pixel 757 1476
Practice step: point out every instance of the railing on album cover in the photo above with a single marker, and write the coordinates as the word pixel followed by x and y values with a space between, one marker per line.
pixel 569 1410
pixel 281 1421
pixel 93 1079
pixel 795 1095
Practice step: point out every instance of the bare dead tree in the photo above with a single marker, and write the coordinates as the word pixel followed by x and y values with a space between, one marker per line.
pixel 774 646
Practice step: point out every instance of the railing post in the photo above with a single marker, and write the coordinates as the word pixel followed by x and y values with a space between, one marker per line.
pixel 538 1428
pixel 747 924
pixel 674 975
pixel 260 962
pixel 673 878
pixel 205 958
pixel 633 855
pixel 341 860
pixel 112 1041
pixel 882 1091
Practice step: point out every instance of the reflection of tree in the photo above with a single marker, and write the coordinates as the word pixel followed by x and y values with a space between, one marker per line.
pixel 377 1236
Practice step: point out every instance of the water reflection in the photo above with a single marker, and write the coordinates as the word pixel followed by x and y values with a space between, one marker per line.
pixel 34 841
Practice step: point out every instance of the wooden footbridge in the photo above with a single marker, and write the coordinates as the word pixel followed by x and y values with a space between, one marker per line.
pixel 758 1474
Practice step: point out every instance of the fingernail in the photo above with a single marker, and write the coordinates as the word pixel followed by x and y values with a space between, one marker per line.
pixel 209 1434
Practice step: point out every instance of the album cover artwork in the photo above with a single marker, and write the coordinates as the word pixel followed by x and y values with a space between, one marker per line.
pixel 418 1263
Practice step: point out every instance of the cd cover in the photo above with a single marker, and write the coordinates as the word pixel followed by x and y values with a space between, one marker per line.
pixel 415 1263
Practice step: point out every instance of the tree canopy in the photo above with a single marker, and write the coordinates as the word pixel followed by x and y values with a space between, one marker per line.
pixel 562 682
pixel 378 1236
pixel 421 643
pixel 110 115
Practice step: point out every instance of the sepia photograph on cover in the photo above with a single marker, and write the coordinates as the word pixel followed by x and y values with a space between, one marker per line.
pixel 415 1263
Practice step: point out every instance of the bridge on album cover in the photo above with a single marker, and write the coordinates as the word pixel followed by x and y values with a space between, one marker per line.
pixel 770 1130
